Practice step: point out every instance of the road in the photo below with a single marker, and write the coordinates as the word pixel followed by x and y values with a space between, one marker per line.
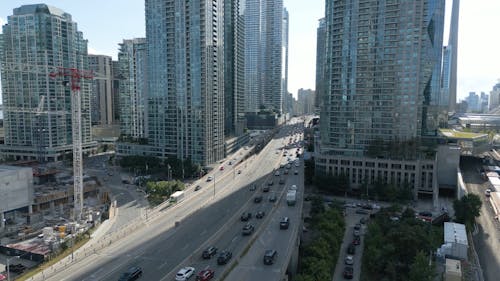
pixel 160 248
pixel 251 266
pixel 487 237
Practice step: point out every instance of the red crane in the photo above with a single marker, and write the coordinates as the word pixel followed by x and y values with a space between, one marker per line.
pixel 76 76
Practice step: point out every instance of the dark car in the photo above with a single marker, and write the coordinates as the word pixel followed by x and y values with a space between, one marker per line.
pixel 282 181
pixel 348 272
pixel 266 189
pixel 247 229
pixel 273 197
pixel 269 183
pixel 132 273
pixel 260 214
pixel 363 220
pixel 270 256
pixel 205 275
pixel 284 223
pixel 257 199
pixel 253 187
pixel 224 257
pixel 17 268
pixel 246 216
pixel 198 187
pixel 209 252
pixel 357 226
pixel 351 249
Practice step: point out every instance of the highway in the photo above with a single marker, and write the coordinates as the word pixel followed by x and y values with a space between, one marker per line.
pixel 205 217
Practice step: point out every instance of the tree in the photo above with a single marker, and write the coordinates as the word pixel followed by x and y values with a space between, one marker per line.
pixel 467 209
pixel 420 269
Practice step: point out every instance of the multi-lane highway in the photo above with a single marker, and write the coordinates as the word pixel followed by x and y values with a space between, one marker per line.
pixel 206 217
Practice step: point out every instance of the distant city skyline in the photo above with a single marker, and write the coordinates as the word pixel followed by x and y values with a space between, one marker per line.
pixel 477 71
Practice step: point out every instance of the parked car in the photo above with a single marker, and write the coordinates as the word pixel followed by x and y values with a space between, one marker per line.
pixel 351 249
pixel 357 226
pixel 356 241
pixel 205 275
pixel 273 197
pixel 266 189
pixel 253 187
pixel 224 257
pixel 132 273
pixel 348 272
pixel 363 220
pixel 184 274
pixel 209 252
pixel 349 260
pixel 362 212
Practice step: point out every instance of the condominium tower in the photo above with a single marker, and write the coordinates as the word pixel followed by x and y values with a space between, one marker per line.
pixel 37 40
pixel 185 48
pixel 383 64
pixel 102 90
pixel 320 62
pixel 132 88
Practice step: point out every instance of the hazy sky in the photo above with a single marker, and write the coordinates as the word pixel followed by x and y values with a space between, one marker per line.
pixel 106 23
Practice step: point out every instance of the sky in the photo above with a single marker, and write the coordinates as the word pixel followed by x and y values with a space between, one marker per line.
pixel 106 23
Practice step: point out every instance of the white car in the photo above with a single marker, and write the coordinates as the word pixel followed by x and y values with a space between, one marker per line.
pixel 184 273
pixel 210 178
pixel 349 260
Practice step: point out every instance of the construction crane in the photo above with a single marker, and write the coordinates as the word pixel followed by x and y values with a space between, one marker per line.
pixel 75 76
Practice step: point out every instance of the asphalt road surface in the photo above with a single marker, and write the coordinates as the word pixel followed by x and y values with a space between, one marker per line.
pixel 160 248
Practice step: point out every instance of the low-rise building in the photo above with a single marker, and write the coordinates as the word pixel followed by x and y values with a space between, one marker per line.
pixel 16 191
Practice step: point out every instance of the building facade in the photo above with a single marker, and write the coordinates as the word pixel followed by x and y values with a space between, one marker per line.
pixel 185 40
pixel 264 58
pixel 284 59
pixel 383 85
pixel 494 97
pixel 132 88
pixel 320 63
pixel 234 67
pixel 453 48
pixel 37 40
pixel 101 101
pixel 305 100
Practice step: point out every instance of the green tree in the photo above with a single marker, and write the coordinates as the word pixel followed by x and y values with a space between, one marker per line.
pixel 420 269
pixel 467 209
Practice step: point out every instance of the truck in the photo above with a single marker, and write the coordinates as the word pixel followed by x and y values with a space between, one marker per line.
pixel 291 197
pixel 177 196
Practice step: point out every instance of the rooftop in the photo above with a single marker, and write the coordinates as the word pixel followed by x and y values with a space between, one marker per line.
pixel 455 233
pixel 460 135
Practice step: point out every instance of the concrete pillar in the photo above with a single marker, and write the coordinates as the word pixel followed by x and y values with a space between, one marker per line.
pixel 2 220
pixel 52 206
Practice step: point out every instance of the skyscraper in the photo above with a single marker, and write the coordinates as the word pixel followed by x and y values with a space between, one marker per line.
pixel 102 90
pixel 185 47
pixel 37 40
pixel 453 46
pixel 284 60
pixel 132 89
pixel 383 69
pixel 264 47
pixel 234 70
pixel 320 62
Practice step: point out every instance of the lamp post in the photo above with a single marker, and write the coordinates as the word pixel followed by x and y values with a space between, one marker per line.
pixel 8 265
pixel 214 186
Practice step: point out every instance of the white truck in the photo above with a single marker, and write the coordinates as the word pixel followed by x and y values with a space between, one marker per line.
pixel 177 196
pixel 291 197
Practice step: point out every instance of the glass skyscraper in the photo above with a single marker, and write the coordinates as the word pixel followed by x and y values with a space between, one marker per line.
pixel 185 73
pixel 37 40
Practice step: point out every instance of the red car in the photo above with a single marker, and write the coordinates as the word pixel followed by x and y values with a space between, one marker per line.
pixel 222 168
pixel 205 275
pixel 3 277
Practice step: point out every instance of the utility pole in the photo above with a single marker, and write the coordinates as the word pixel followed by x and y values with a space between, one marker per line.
pixel 75 76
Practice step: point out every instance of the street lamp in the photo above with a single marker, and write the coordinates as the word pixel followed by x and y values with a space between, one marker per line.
pixel 8 264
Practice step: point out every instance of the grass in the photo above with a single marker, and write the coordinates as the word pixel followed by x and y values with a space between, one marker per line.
pixel 54 260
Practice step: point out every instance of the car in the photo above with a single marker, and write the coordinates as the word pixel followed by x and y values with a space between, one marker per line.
pixel 348 272
pixel 270 183
pixel 270 257
pixel 363 220
pixel 3 277
pixel 297 165
pixel 221 168
pixel 285 172
pixel 247 229
pixel 210 178
pixel 351 249
pixel 205 275
pixel 257 199
pixel 17 268
pixel 293 187
pixel 356 241
pixel 209 252
pixel 246 216
pixel 224 257
pixel 184 274
pixel 362 212
pixel 277 174
pixel 230 163
pixel 266 189
pixel 487 192
pixel 357 226
pixel 296 172
pixel 284 223
pixel 133 273
pixel 198 187
pixel 349 260
pixel 253 187
pixel 239 172
pixel 425 214
pixel 273 197
pixel 282 181
pixel 260 214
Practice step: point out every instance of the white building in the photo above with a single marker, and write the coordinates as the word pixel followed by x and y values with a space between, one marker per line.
pixel 16 191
